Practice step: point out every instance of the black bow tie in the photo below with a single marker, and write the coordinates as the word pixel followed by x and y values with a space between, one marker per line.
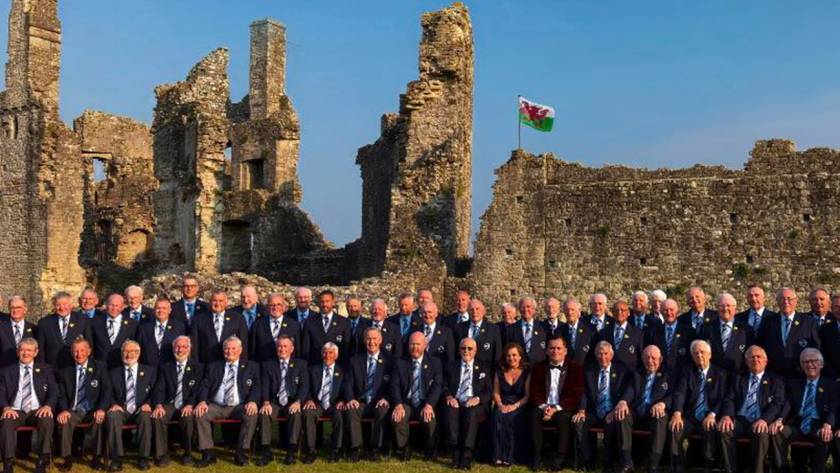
pixel 556 367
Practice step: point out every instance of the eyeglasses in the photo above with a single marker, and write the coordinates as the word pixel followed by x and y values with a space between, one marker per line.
pixel 467 348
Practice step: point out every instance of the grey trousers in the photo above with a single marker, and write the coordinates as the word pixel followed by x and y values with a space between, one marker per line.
pixel 65 433
pixel 759 446
pixel 293 425
pixel 310 422
pixel 8 427
pixel 161 430
pixel 204 427
pixel 353 420
pixel 114 422
pixel 401 429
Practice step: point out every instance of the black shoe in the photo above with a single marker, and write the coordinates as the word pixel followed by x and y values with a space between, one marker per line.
pixel 96 464
pixel 309 458
pixel 355 455
pixel 8 466
pixel 265 458
pixel 403 454
pixel 66 466
pixel 162 460
pixel 430 455
pixel 291 457
pixel 187 459
pixel 116 465
pixel 239 458
pixel 626 468
pixel 374 455
pixel 334 456
pixel 207 459
pixel 143 464
pixel 466 459
pixel 557 464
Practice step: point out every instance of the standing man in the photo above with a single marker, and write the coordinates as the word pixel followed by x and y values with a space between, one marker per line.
pixel 83 397
pixel 327 327
pixel 820 305
pixel 134 308
pixel 175 397
pixel 673 340
pixel 131 403
pixel 28 394
pixel 610 390
pixel 785 335
pixel 657 297
pixel 485 334
pixel 756 312
pixel 285 387
pixel 325 398
pixel 358 325
pixel 624 337
pixel 597 316
pixel 461 314
pixel 58 330
pixel 639 316
pixel 156 336
pixel 405 321
pixel 551 322
pixel 366 392
pixel 440 342
pixel 528 331
pixel 209 330
pixel 267 330
pixel 111 331
pixel 189 305
pixel 830 339
pixel 391 338
pixel 231 390
pixel 579 335
pixel 727 338
pixel 89 304
pixel 303 303
pixel 755 401
pixel 698 314
pixel 250 308
pixel 13 329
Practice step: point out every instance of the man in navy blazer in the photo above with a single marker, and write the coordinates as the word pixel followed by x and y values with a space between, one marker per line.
pixel 328 326
pixel 467 390
pixel 673 340
pixel 728 338
pixel 405 320
pixel 284 382
pixel 696 403
pixel 268 328
pixel 653 402
pixel 28 394
pixel 14 328
pixel 756 312
pixel 302 309
pixel 111 331
pixel 830 340
pixel 156 336
pixel 391 339
pixel 89 304
pixel 528 331
pixel 189 305
pixel 175 397
pixel 579 335
pixel 440 342
pixel 366 391
pixel 131 403
pixel 84 392
pixel 786 334
pixel 754 401
pixel 209 330
pixel 810 413
pixel 231 390
pixel 639 316
pixel 134 308
pixel 416 387
pixel 326 398
pixel 598 317
pixel 358 325
pixel 551 321
pixel 486 334
pixel 624 337
pixel 609 394
pixel 461 314
pixel 58 330
pixel 698 314
pixel 250 307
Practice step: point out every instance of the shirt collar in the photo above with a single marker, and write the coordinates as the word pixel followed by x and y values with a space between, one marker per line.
pixel 116 319
pixel 83 366
pixel 133 367
pixel 607 369
pixel 470 364
pixel 419 360
pixel 373 355
pixel 30 365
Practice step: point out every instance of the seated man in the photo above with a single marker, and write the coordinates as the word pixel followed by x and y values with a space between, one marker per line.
pixel 325 398
pixel 610 390
pixel 285 386
pixel 652 403
pixel 366 391
pixel 83 396
pixel 755 400
pixel 809 413
pixel 231 390
pixel 700 394
pixel 466 391
pixel 131 403
pixel 416 385
pixel 28 393
pixel 175 397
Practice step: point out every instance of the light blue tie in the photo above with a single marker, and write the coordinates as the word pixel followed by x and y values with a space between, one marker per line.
pixel 669 337
pixel 648 389
pixel 701 408
pixel 527 336
pixel 785 329
pixel 618 337
pixel 415 385
pixel 725 332
pixel 751 411
pixel 572 336
pixel 697 321
pixel 603 395
pixel 403 326
pixel 808 412
pixel 371 373
pixel 755 321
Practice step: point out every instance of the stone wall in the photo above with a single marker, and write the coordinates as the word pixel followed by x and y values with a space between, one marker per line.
pixel 555 228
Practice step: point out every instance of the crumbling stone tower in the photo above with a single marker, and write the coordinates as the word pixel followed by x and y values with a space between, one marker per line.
pixel 417 193
pixel 41 203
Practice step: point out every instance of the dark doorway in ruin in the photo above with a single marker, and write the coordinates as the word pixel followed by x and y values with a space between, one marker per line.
pixel 254 174
pixel 236 246
pixel 104 239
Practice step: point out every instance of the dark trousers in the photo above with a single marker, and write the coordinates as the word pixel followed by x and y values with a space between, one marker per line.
pixel 562 422
pixel 161 430
pixel 204 426
pixel 65 433
pixel 759 446
pixel 462 424
pixel 618 437
pixel 8 428
pixel 293 426
pixel 791 433
pixel 401 428
pixel 658 429
pixel 693 426
pixel 114 422
pixel 310 423
pixel 353 420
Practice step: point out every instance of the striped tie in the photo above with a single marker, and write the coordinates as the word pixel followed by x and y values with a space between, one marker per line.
pixel 572 337
pixel 415 385
pixel 62 327
pixel 648 390
pixel 111 332
pixel 603 395
pixel 275 329
pixel 527 336
pixel 474 331
pixel 808 412
pixel 618 337
pixel 26 391
pixel 179 383
pixel 18 335
pixel 283 395
pixel 466 381
pixel 428 332
pixel 751 411
pixel 371 374
pixel 669 337
pixel 130 392
pixel 700 408
pixel 725 332
pixel 218 325
pixel 81 392
pixel 326 389
pixel 230 384
pixel 161 329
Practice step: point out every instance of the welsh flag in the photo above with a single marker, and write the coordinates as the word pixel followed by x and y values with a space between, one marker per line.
pixel 538 117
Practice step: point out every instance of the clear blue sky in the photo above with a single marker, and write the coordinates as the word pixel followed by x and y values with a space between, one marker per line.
pixel 652 83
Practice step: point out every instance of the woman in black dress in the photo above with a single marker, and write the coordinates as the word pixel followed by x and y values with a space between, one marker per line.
pixel 510 394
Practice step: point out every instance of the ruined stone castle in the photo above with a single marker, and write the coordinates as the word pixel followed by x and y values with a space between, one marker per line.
pixel 212 187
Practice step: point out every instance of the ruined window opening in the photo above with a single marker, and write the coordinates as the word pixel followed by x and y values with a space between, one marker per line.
pixel 519 199
pixel 255 174
pixel 513 292
pixel 227 180
pixel 568 222
pixel 733 218
pixel 750 259
pixel 806 218
pixel 552 263
pixel 508 251
pixel 643 221
pixel 100 170
pixel 643 261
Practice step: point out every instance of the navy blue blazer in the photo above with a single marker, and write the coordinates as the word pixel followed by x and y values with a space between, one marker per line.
pixel 482 380
pixel 771 396
pixel 103 349
pixel 8 347
pixel 147 314
pixel 262 344
pixel 826 399
pixel 179 311
pixel 731 359
pixel 261 311
pixel 679 356
pixel 431 377
pixel 316 376
pixel 150 354
pixel 442 345
pixel 783 359
pixel 708 316
pixel 97 387
pixel 488 342
pixel 357 334
pixel 660 391
pixel 622 386
pixel 830 340
pixel 247 381
pixel 538 339
pixel 203 335
pixel 584 349
pixel 43 385
pixel 629 351
pixel 297 380
pixel 608 321
pixel 315 337
pixel 55 350
pixel 166 386
pixel 685 396
pixel 144 385
pixel 355 387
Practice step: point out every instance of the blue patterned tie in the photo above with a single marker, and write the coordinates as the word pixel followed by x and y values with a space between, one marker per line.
pixel 648 389
pixel 701 408
pixel 371 374
pixel 725 332
pixel 618 337
pixel 669 337
pixel 474 331
pixel 466 381
pixel 229 385
pixel 81 398
pixel 283 394
pixel 572 336
pixel 697 321
pixel 751 411
pixel 754 320
pixel 130 391
pixel 808 412
pixel 527 336
pixel 403 326
pixel 599 324
pixel 603 395
pixel 785 329
pixel 26 391
pixel 414 394
pixel 190 310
